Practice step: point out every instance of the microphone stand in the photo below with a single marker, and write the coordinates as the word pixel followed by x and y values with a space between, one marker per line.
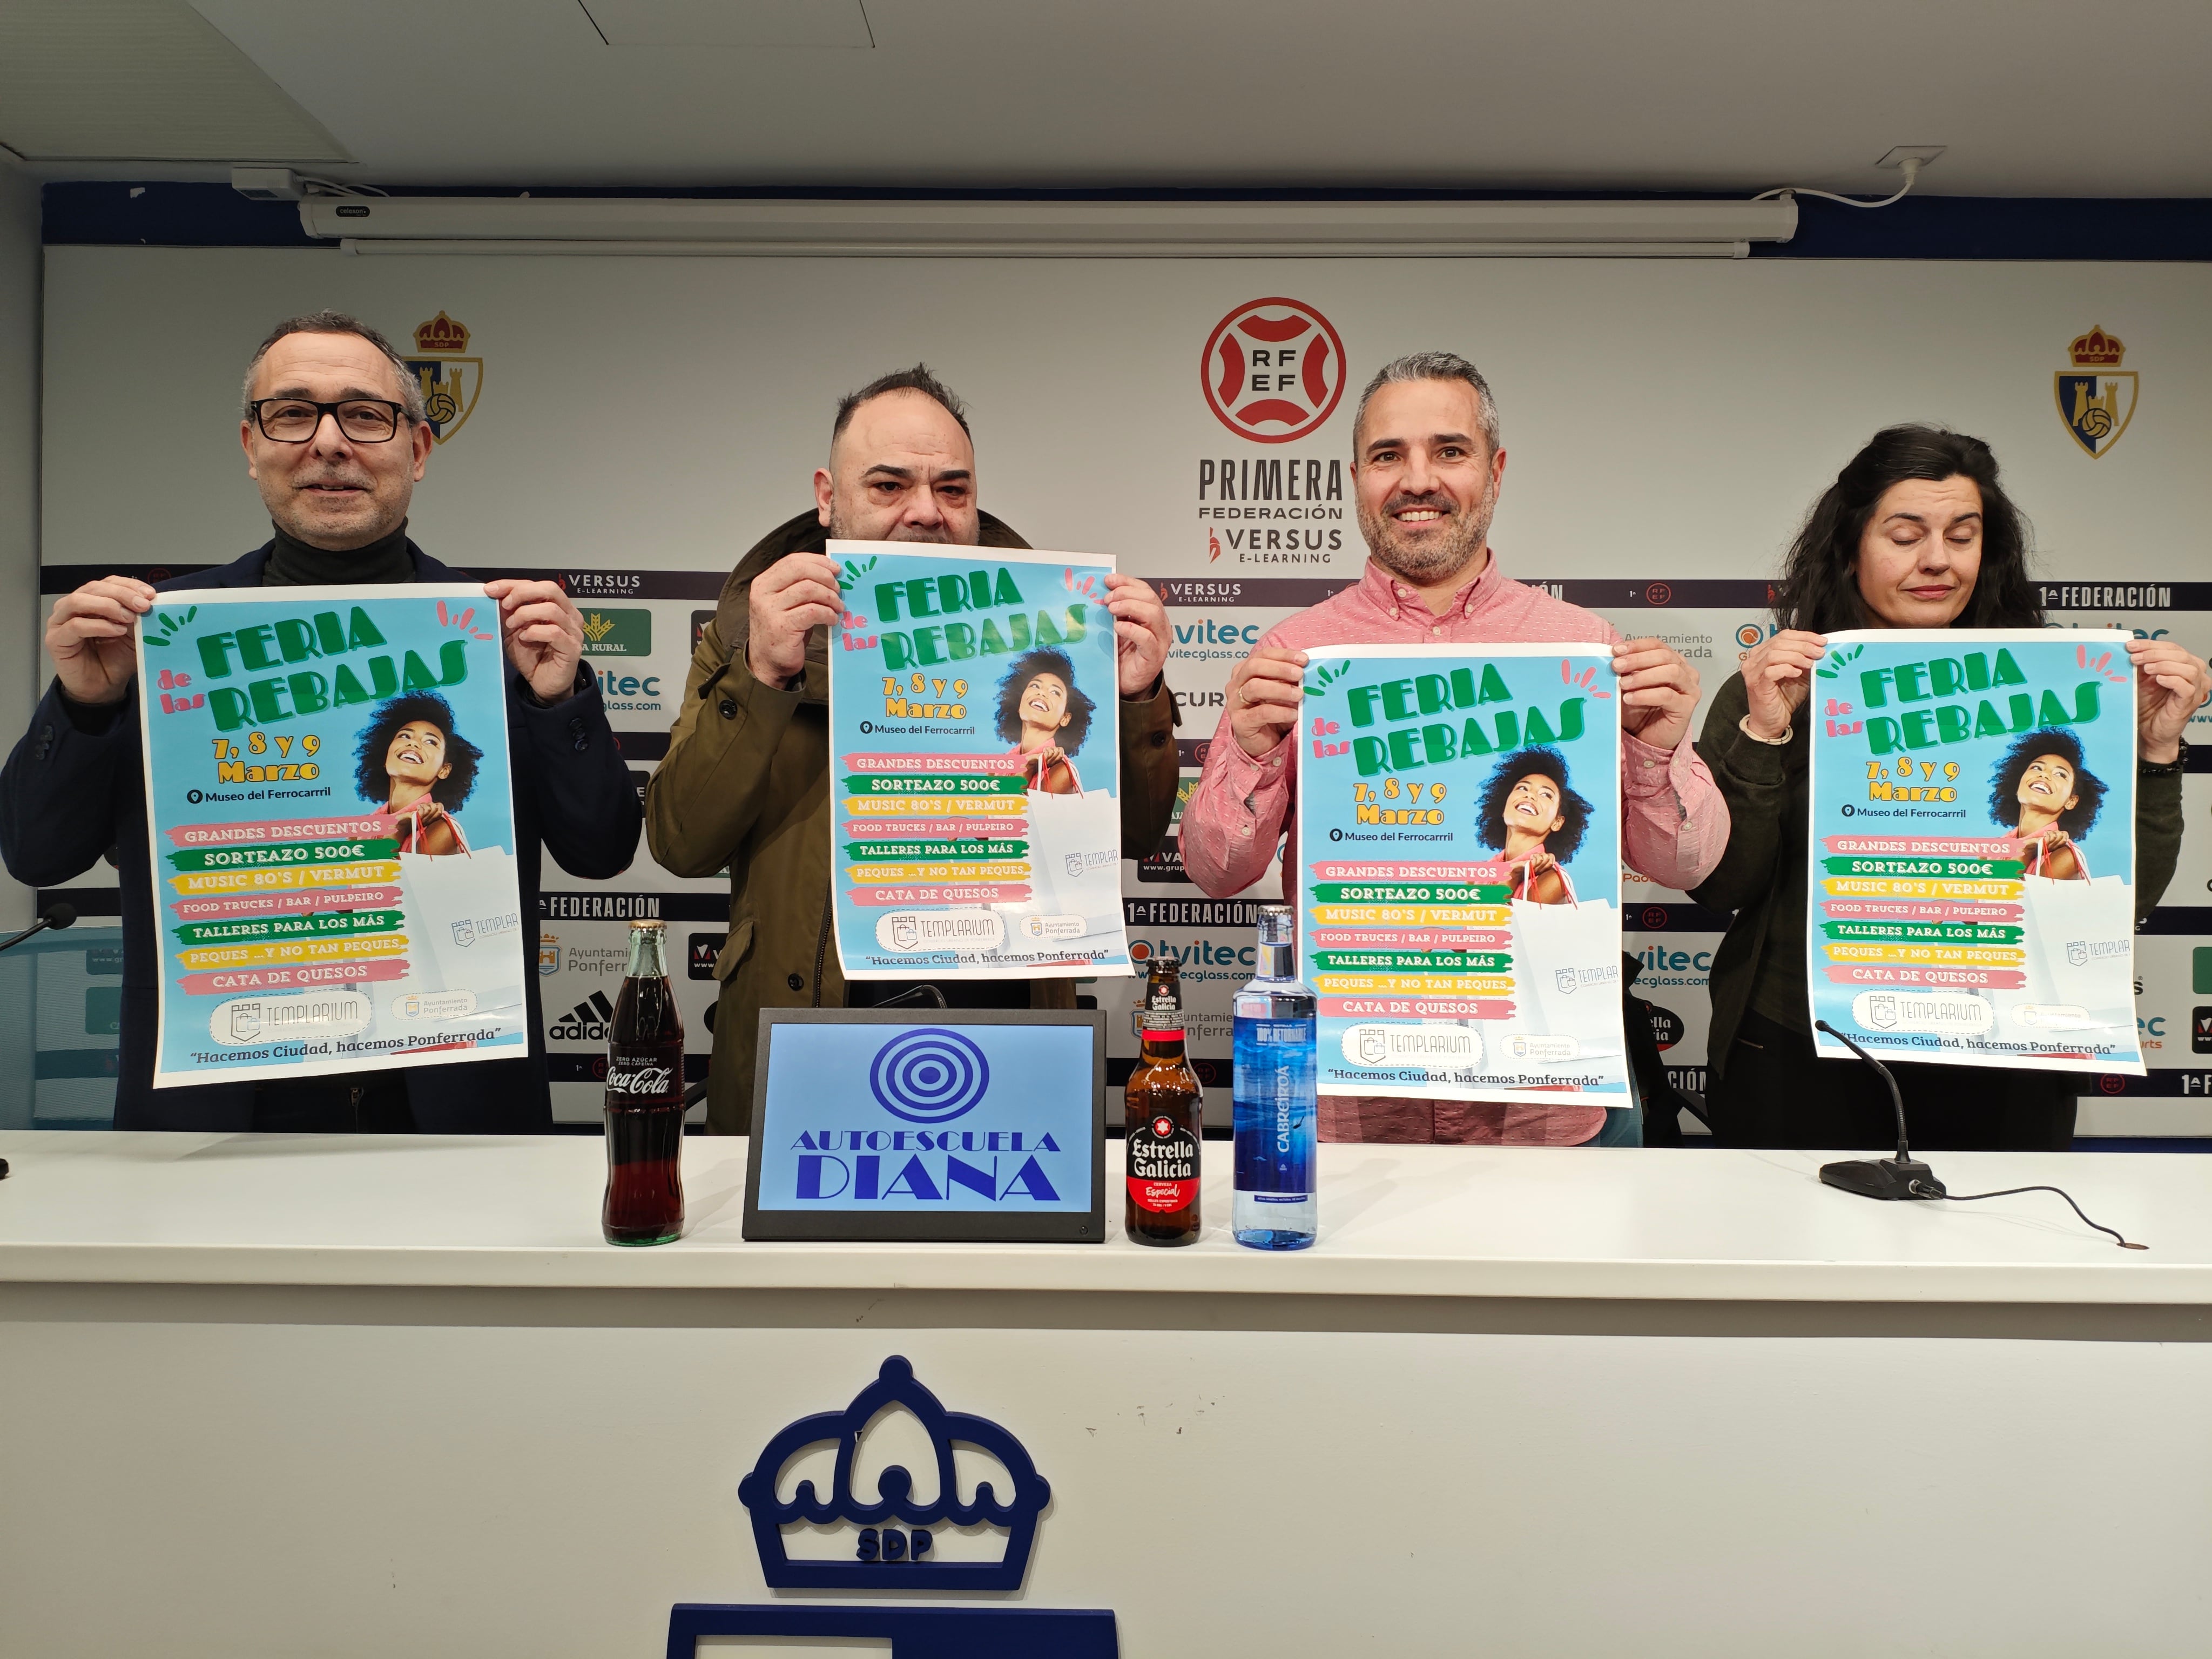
pixel 58 916
pixel 1902 1177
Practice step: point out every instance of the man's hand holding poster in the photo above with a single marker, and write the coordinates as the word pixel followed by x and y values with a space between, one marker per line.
pixel 973 716
pixel 1459 857
pixel 333 831
pixel 1972 892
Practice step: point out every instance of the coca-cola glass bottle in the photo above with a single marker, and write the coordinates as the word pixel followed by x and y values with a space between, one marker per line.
pixel 645 1100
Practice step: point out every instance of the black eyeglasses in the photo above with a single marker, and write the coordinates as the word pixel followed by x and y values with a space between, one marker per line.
pixel 294 420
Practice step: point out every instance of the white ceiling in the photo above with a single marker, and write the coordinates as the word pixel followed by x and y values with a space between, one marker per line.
pixel 139 79
pixel 2033 97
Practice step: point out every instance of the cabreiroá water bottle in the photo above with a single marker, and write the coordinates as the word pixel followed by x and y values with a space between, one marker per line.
pixel 1273 1206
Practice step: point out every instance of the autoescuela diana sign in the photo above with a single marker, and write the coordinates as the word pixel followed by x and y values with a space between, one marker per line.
pixel 332 827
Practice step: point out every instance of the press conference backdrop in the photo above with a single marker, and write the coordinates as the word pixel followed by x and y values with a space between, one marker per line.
pixel 632 424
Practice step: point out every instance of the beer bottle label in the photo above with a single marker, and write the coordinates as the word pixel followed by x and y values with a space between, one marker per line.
pixel 1162 1165
pixel 644 1077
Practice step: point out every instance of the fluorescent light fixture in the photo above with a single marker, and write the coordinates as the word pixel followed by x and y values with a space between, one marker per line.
pixel 966 229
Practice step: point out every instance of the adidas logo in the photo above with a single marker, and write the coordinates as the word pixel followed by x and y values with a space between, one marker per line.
pixel 587 1022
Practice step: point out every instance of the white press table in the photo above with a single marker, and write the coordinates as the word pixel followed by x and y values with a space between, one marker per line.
pixel 289 1395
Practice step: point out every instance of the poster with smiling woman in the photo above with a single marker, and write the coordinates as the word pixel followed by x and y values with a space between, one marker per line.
pixel 332 832
pixel 972 711
pixel 1459 871
pixel 1973 825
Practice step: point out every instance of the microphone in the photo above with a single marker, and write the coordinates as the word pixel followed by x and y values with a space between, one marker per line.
pixel 1902 1177
pixel 57 916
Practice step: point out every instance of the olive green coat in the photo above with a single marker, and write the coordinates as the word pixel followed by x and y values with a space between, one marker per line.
pixel 746 787
pixel 1762 876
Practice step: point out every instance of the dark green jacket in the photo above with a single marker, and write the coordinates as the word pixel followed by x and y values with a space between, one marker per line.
pixel 746 787
pixel 1762 875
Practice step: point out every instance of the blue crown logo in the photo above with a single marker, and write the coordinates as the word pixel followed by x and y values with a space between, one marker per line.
pixel 888 1556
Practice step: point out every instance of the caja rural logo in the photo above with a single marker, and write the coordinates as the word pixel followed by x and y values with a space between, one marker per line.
pixel 1272 370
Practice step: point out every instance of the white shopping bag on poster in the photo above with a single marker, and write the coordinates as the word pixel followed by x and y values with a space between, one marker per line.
pixel 1075 857
pixel 2080 942
pixel 465 925
pixel 1567 973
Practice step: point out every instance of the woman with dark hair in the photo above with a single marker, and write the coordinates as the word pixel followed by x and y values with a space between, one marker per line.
pixel 419 770
pixel 2045 795
pixel 1915 533
pixel 1046 718
pixel 1531 815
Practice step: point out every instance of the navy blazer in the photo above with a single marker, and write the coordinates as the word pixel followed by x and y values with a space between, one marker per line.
pixel 70 797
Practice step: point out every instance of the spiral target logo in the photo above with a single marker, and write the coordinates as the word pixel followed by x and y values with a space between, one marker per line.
pixel 930 1075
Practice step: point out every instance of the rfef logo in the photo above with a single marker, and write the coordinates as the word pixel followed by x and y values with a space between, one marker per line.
pixel 2200 1030
pixel 1272 370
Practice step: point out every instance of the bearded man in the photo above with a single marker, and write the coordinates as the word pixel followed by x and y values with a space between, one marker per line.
pixel 1427 468
pixel 745 785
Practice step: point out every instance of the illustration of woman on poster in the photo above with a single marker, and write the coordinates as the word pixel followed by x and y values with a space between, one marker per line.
pixel 1044 715
pixel 419 770
pixel 1530 813
pixel 2046 797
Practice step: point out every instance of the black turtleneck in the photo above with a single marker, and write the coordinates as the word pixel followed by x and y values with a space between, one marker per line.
pixel 355 1101
pixel 293 563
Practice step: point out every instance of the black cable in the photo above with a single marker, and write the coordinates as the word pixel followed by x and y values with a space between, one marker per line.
pixel 1968 1198
pixel 914 996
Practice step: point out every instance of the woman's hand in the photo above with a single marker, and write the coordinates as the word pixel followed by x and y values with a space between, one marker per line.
pixel 2170 685
pixel 1546 884
pixel 2058 861
pixel 1777 677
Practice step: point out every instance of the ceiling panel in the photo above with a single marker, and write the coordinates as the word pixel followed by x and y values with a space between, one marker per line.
pixel 2031 96
pixel 132 79
pixel 729 23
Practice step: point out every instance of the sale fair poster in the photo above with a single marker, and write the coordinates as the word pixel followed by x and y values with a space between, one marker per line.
pixel 1972 856
pixel 333 830
pixel 975 748
pixel 1459 854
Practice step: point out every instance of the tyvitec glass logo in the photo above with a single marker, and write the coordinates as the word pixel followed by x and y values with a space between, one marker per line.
pixel 1272 370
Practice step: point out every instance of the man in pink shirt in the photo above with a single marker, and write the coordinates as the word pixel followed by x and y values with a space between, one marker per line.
pixel 1426 470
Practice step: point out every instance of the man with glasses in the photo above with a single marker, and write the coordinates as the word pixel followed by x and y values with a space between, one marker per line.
pixel 335 437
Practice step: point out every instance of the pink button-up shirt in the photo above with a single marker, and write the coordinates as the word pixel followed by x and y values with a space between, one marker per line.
pixel 1674 822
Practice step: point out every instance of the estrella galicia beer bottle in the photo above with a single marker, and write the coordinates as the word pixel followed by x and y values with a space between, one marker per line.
pixel 1163 1120
pixel 645 1100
